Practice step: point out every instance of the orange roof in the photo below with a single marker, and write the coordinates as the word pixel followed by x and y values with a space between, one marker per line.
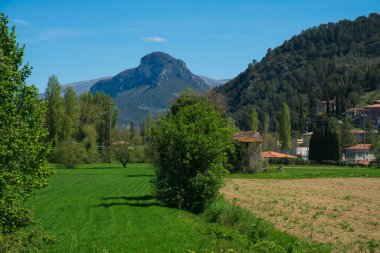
pixel 358 131
pixel 360 147
pixel 272 154
pixel 373 106
pixel 248 137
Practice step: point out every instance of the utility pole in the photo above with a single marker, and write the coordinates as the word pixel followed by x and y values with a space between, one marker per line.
pixel 364 115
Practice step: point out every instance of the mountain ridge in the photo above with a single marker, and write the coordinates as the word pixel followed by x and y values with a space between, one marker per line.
pixel 150 87
pixel 335 60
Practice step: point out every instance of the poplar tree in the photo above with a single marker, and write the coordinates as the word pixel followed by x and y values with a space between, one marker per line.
pixel 55 112
pixel 266 123
pixel 285 128
pixel 71 115
pixel 253 120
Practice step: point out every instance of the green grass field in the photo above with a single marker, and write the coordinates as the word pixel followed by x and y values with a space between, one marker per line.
pixel 105 208
pixel 110 209
pixel 311 171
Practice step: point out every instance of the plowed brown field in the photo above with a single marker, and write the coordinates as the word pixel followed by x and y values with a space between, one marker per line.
pixel 344 212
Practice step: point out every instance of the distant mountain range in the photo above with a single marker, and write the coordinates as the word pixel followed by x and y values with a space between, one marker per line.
pixel 213 82
pixel 83 86
pixel 149 88
pixel 78 87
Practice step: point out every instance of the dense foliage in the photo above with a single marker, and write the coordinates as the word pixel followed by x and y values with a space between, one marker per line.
pixel 325 142
pixel 192 143
pixel 23 166
pixel 84 123
pixel 339 61
pixel 285 128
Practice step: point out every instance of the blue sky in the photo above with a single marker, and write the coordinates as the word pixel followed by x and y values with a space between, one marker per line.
pixel 81 40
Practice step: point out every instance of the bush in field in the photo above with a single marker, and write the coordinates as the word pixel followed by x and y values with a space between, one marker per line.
pixel 69 153
pixel 192 143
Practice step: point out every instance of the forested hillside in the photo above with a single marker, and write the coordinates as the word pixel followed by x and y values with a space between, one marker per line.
pixel 335 60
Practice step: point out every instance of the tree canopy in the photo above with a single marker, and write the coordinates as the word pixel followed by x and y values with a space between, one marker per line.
pixel 334 60
pixel 192 143
pixel 23 165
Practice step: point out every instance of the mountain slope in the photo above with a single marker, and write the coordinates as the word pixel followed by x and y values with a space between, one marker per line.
pixel 213 82
pixel 83 86
pixel 149 88
pixel 339 61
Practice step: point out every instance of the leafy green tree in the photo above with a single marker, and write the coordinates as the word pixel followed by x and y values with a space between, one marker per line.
pixel 123 152
pixel 55 110
pixel 266 123
pixel 253 120
pixel 71 113
pixel 346 137
pixel 69 153
pixel 192 143
pixel 23 166
pixel 90 144
pixel 285 128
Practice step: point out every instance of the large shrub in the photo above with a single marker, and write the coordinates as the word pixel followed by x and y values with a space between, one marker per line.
pixel 69 153
pixel 192 143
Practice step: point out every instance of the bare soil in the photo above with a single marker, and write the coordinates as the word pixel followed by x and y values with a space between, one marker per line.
pixel 344 212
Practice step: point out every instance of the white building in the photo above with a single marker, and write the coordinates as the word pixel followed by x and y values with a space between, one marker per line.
pixel 360 153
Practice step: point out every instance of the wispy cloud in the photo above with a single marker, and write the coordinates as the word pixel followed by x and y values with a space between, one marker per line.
pixel 57 33
pixel 21 22
pixel 155 39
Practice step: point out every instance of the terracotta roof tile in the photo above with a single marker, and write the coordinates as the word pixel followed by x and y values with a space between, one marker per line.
pixel 272 154
pixel 360 147
pixel 373 106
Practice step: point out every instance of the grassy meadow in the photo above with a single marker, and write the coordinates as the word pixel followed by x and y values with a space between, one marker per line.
pixel 105 208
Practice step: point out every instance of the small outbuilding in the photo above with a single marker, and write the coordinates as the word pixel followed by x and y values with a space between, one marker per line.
pixel 248 151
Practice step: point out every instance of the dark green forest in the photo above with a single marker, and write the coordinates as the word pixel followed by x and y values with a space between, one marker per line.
pixel 335 60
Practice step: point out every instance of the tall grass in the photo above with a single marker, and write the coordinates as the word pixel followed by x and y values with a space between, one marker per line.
pixel 253 233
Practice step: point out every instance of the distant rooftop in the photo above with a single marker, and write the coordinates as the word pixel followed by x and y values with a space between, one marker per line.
pixel 358 131
pixel 248 137
pixel 373 106
pixel 272 154
pixel 360 147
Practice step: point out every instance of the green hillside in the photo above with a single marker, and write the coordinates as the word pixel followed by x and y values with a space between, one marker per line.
pixel 335 60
